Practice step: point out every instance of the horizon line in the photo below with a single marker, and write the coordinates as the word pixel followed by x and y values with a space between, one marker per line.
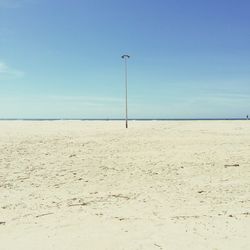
pixel 122 119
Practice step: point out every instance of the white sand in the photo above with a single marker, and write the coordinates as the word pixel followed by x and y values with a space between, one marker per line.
pixel 95 185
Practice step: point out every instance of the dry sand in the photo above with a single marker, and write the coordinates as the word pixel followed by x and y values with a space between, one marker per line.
pixel 95 185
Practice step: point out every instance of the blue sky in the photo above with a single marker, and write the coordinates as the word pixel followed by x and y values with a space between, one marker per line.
pixel 61 59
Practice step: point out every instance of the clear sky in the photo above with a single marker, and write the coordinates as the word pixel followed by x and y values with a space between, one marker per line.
pixel 62 59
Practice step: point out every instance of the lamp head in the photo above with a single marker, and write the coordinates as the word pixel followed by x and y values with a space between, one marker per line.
pixel 125 56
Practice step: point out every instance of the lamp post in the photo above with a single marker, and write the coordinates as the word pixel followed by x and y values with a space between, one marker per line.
pixel 125 57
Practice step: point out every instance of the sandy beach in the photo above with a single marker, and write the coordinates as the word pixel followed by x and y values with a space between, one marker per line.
pixel 95 185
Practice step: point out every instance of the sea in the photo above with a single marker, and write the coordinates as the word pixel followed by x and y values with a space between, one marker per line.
pixel 130 119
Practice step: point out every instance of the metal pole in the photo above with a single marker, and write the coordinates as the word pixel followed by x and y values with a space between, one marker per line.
pixel 126 89
pixel 125 57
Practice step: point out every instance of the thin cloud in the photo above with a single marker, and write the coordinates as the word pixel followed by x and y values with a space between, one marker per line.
pixel 89 100
pixel 7 72
pixel 85 98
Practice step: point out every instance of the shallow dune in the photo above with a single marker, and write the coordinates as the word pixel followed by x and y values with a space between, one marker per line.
pixel 96 185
